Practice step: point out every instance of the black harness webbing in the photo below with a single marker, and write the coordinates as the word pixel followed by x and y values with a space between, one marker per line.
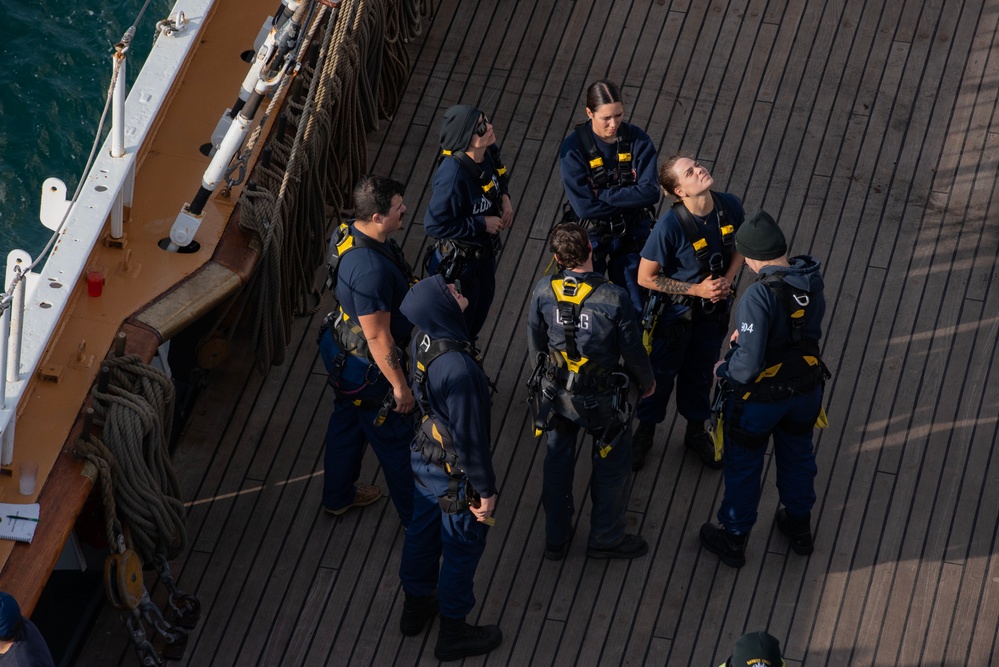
pixel 570 294
pixel 482 176
pixel 343 241
pixel 696 238
pixel 433 440
pixel 599 172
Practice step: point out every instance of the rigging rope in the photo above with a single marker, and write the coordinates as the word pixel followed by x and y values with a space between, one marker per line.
pixel 358 79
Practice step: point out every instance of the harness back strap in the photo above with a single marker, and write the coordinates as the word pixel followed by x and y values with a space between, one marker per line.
pixel 595 160
pixel 570 294
pixel 694 236
pixel 427 350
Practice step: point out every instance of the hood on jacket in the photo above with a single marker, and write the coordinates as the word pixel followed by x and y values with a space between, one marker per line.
pixel 804 273
pixel 430 306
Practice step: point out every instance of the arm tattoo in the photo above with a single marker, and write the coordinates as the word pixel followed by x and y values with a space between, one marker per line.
pixel 670 286
pixel 392 360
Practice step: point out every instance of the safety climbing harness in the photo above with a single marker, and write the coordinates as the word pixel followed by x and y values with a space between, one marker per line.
pixel 346 332
pixel 602 176
pixel 433 439
pixel 144 517
pixel 456 255
pixel 711 264
pixel 567 370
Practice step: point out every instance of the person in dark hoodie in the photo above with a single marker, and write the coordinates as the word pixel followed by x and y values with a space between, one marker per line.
pixel 455 482
pixel 775 380
pixel 469 207
pixel 591 367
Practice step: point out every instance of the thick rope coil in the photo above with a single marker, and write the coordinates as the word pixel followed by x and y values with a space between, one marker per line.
pixel 136 413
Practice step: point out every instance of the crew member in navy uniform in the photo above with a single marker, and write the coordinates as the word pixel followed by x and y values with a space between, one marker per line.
pixel 20 642
pixel 609 174
pixel 455 482
pixel 690 262
pixel 469 207
pixel 591 370
pixel 362 348
pixel 775 380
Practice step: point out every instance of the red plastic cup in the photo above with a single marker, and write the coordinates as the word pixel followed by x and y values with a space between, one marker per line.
pixel 95 283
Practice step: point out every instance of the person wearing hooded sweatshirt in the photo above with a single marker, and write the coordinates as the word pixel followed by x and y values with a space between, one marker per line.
pixel 469 207
pixel 21 645
pixel 606 335
pixel 775 381
pixel 608 170
pixel 456 494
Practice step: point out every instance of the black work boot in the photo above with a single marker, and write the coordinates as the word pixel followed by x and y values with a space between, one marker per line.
pixel 797 529
pixel 699 441
pixel 641 443
pixel 457 639
pixel 416 613
pixel 632 546
pixel 729 547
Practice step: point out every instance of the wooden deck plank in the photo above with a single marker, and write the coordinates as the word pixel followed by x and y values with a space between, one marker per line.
pixel 869 128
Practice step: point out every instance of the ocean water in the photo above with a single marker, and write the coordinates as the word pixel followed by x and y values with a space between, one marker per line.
pixel 57 69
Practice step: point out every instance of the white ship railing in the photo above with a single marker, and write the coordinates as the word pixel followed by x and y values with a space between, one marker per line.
pixel 106 190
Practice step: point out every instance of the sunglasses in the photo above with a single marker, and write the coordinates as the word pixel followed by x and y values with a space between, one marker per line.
pixel 483 126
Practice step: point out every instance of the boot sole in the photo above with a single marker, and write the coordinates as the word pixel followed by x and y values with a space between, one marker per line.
pixel 458 655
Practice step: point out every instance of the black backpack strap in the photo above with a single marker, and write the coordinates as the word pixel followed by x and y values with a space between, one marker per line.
pixel 481 176
pixel 625 172
pixel 694 236
pixel 794 301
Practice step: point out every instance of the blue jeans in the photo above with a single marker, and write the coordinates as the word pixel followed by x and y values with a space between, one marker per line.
pixel 610 487
pixel 794 457
pixel 620 256
pixel 478 285
pixel 686 356
pixel 432 535
pixel 349 427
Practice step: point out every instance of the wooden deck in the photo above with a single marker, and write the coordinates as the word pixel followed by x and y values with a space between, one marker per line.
pixel 868 128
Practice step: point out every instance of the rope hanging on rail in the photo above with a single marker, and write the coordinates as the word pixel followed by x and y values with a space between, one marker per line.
pixel 317 154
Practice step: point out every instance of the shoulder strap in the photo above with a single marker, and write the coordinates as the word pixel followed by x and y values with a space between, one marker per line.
pixel 343 241
pixel 481 176
pixel 427 350
pixel 570 294
pixel 626 175
pixel 694 236
pixel 594 160
pixel 794 301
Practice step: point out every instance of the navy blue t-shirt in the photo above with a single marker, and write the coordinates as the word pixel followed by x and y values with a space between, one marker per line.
pixel 668 245
pixel 369 282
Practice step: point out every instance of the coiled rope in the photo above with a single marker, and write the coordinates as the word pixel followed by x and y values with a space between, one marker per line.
pixel 138 484
pixel 358 78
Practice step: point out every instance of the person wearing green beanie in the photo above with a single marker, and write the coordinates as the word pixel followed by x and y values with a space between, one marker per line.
pixel 773 378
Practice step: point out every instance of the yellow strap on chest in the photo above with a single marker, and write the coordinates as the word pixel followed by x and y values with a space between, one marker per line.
pixel 624 157
pixel 596 162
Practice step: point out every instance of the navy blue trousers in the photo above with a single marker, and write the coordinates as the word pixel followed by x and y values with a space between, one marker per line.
pixel 620 256
pixel 685 358
pixel 349 427
pixel 478 285
pixel 441 551
pixel 610 487
pixel 794 456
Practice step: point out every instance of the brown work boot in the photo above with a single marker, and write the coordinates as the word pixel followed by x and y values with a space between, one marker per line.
pixel 364 495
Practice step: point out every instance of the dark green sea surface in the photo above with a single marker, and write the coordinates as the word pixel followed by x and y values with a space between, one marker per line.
pixel 57 68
